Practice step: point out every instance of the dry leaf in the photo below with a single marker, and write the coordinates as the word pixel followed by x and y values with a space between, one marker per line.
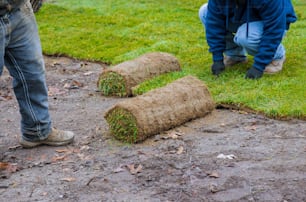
pixel 52 91
pixel 174 135
pixel 68 179
pixel 214 174
pixel 8 167
pixel 180 150
pixel 85 147
pixel 62 150
pixel 118 170
pixel 230 156
pixel 88 73
pixel 73 85
pixel 59 158
pixel 243 112
pixel 3 166
pixel 55 63
pixel 249 128
pixel 213 188
pixel 134 170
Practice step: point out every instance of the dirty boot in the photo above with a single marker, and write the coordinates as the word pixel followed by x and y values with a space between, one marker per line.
pixel 55 138
pixel 275 66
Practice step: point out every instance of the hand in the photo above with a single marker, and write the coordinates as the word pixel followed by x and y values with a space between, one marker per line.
pixel 36 4
pixel 253 73
pixel 217 67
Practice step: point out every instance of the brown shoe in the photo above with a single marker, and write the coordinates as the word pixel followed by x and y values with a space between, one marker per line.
pixel 229 61
pixel 275 66
pixel 55 138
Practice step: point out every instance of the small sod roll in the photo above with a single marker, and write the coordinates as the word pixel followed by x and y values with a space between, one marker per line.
pixel 120 79
pixel 135 119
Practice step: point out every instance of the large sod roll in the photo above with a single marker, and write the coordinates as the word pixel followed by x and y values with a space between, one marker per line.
pixel 119 79
pixel 137 118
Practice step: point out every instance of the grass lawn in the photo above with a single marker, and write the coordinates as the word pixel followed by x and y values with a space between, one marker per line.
pixel 114 31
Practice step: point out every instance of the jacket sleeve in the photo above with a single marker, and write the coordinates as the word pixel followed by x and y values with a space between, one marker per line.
pixel 216 29
pixel 290 14
pixel 273 15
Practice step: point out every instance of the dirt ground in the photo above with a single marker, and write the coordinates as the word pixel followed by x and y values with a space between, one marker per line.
pixel 225 156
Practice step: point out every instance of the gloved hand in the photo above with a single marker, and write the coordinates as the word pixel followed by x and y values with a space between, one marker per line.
pixel 253 73
pixel 217 67
pixel 36 4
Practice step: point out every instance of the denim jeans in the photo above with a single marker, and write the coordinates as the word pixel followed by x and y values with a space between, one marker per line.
pixel 21 53
pixel 238 44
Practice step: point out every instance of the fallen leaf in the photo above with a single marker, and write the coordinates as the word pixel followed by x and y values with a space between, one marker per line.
pixel 230 156
pixel 180 150
pixel 59 158
pixel 8 167
pixel 213 188
pixel 5 97
pixel 68 179
pixel 55 64
pixel 85 147
pixel 141 153
pixel 174 134
pixel 62 150
pixel 171 135
pixel 249 128
pixel 134 170
pixel 52 91
pixel 3 166
pixel 73 85
pixel 118 170
pixel 214 174
pixel 88 73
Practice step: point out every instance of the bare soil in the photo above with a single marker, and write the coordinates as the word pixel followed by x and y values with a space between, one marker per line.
pixel 225 156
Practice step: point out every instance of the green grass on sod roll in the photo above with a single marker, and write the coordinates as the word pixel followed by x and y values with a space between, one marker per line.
pixel 123 125
pixel 111 83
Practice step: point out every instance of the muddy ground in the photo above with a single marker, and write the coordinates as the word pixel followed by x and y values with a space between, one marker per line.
pixel 226 156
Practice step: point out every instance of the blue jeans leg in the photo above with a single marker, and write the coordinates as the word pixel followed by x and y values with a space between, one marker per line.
pixel 252 41
pixel 231 48
pixel 20 45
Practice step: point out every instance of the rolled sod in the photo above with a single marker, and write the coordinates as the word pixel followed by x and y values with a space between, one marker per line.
pixel 135 119
pixel 120 79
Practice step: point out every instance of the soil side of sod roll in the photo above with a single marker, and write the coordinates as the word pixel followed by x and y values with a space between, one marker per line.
pixel 120 79
pixel 135 119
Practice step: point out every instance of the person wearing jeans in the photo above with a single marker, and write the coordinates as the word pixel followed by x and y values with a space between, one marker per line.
pixel 21 54
pixel 235 28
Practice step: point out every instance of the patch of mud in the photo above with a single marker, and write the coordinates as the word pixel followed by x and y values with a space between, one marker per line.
pixel 263 159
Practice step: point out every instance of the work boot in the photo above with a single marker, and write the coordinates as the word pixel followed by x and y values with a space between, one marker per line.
pixel 275 66
pixel 55 138
pixel 229 61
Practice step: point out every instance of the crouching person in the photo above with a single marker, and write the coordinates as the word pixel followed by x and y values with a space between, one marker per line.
pixel 235 28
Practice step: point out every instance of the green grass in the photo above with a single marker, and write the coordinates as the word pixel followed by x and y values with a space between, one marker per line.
pixel 116 31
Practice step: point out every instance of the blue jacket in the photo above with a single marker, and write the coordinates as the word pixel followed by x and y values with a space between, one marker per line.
pixel 275 14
